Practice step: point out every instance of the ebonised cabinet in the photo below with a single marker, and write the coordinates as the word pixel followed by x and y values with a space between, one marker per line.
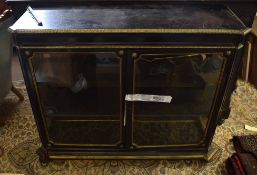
pixel 81 65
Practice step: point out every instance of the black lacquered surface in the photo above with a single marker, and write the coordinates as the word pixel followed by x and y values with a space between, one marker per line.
pixel 133 17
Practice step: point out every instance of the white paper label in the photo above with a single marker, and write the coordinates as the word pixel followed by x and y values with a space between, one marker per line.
pixel 148 98
pixel 250 128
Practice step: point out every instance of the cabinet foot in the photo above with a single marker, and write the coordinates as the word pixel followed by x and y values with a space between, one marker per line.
pixel 43 156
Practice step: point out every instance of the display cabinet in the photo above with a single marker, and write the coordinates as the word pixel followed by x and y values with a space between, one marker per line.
pixel 126 82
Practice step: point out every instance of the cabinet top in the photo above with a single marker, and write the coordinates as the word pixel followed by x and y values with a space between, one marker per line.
pixel 133 19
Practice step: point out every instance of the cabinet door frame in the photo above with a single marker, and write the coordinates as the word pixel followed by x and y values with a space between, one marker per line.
pixel 231 56
pixel 24 55
pixel 126 52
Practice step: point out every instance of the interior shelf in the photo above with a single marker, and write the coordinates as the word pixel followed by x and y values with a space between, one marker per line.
pixel 81 132
pixel 168 132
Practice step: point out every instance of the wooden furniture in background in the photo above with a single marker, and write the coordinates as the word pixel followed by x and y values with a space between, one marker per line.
pixel 6 52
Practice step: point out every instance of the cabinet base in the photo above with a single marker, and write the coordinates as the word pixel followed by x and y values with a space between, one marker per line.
pixel 44 157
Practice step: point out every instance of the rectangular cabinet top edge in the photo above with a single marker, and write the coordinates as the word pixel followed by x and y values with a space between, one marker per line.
pixel 132 19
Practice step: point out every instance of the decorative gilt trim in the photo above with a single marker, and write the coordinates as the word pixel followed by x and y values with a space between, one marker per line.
pixel 126 46
pixel 246 31
pixel 235 16
pixel 240 46
pixel 34 82
pixel 89 31
pixel 121 52
pixel 84 120
pixel 130 157
pixel 211 153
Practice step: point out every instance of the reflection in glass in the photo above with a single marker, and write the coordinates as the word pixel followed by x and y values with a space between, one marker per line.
pixel 191 80
pixel 80 96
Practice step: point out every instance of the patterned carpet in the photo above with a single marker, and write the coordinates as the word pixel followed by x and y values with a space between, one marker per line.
pixel 19 139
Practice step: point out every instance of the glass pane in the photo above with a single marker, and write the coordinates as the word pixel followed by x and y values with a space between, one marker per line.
pixel 191 81
pixel 80 96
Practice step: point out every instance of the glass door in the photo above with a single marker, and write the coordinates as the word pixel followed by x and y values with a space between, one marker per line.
pixel 80 96
pixel 173 96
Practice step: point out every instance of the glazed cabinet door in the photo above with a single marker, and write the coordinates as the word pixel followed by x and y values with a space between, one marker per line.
pixel 79 94
pixel 173 95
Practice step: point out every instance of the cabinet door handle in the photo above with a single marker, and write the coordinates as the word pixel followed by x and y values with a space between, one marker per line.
pixel 125 115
